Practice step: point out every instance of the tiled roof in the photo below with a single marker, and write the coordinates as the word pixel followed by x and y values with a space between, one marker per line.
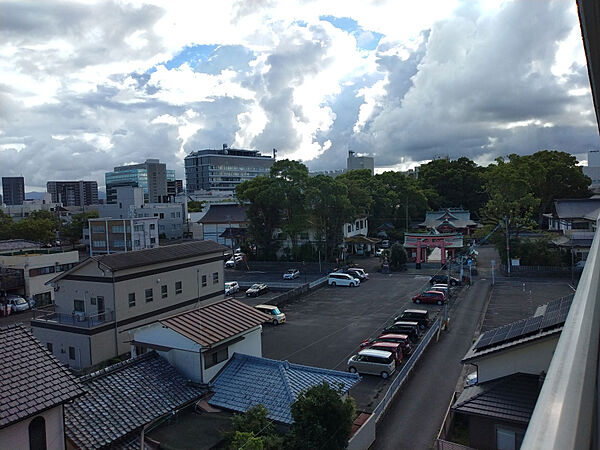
pixel 125 260
pixel 211 324
pixel 31 379
pixel 508 398
pixel 123 398
pixel 246 381
pixel 579 208
pixel 224 214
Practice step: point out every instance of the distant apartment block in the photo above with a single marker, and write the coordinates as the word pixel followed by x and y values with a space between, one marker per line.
pixel 222 170
pixel 100 301
pixel 13 190
pixel 73 193
pixel 151 175
pixel 360 162
pixel 107 235
pixel 18 212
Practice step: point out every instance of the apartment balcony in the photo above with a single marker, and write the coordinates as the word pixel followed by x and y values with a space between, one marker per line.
pixel 75 319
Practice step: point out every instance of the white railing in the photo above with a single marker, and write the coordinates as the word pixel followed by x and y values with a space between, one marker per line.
pixel 566 411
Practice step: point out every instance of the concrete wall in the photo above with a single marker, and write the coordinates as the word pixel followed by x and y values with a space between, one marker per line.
pixel 17 436
pixel 533 358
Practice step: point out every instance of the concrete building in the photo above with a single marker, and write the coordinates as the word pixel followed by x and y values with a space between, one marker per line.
pixel 37 267
pixel 151 176
pixel 100 300
pixel 18 212
pixel 360 162
pixel 222 170
pixel 592 169
pixel 106 235
pixel 73 193
pixel 13 190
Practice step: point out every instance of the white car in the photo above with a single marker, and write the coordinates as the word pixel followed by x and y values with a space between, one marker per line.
pixel 291 274
pixel 342 279
pixel 233 261
pixel 17 303
pixel 231 287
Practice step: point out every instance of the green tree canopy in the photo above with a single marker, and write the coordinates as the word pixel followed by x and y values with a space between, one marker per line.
pixel 253 430
pixel 73 231
pixel 38 226
pixel 194 206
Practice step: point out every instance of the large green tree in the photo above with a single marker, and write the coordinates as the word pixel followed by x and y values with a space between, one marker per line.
pixel 73 231
pixel 253 429
pixel 6 226
pixel 38 226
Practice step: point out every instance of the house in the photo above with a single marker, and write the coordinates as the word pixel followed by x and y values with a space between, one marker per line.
pixel 35 389
pixel 355 237
pixel 36 267
pixel 511 362
pixel 122 399
pixel 450 220
pixel 201 341
pixel 248 380
pixel 98 301
pixel 225 224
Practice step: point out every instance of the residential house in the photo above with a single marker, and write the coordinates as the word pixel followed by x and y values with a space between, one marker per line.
pixel 37 266
pixel 450 220
pixel 201 341
pixel 511 363
pixel 35 388
pixel 248 380
pixel 356 237
pixel 124 398
pixel 225 224
pixel 100 300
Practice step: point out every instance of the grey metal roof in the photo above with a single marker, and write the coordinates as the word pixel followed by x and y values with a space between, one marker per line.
pixel 509 398
pixel 225 214
pixel 124 397
pixel 246 381
pixel 31 379
pixel 211 324
pixel 126 260
pixel 579 208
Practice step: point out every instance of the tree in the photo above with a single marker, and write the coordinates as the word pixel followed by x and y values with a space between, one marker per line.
pixel 6 226
pixel 398 256
pixel 254 430
pixel 194 206
pixel 73 231
pixel 39 226
pixel 322 419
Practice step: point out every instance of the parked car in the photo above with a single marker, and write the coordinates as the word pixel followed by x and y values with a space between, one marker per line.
pixel 374 362
pixel 291 274
pixel 385 243
pixel 277 316
pixel 442 288
pixel 395 348
pixel 379 252
pixel 421 316
pixel 443 279
pixel 231 287
pixel 342 279
pixel 256 289
pixel 234 261
pixel 412 331
pixel 435 297
pixel 16 303
pixel 401 339
pixel 357 272
pixel 471 379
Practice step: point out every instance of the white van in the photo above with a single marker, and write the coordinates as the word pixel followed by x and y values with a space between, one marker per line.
pixel 342 279
pixel 273 311
pixel 374 362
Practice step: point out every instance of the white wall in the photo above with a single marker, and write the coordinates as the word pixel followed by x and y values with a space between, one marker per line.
pixel 251 345
pixel 533 358
pixel 16 436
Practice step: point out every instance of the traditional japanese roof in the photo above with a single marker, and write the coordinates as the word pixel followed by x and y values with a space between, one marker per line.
pixel 509 398
pixel 456 218
pixel 31 379
pixel 214 323
pixel 360 239
pixel 225 214
pixel 16 245
pixel 579 208
pixel 124 397
pixel 246 381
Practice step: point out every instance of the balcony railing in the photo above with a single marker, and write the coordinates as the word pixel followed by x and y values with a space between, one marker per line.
pixel 75 319
pixel 565 414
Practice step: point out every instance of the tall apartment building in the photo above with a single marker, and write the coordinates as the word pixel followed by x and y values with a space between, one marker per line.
pixel 360 162
pixel 150 175
pixel 73 193
pixel 222 170
pixel 13 190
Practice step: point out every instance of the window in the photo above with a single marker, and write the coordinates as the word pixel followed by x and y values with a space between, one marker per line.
pixel 137 242
pixel 361 224
pixel 172 215
pixel 357 225
pixel 152 226
pixel 162 215
pixel 99 243
pixel 79 305
pixel 215 277
pixel 93 300
pixel 37 433
pixel 118 229
pixel 215 357
pixel 41 271
pixel 131 299
pixel 349 228
pixel 204 281
pixel 153 240
pixel 64 267
pixel 98 229
pixel 149 295
pixel 49 346
pixel 72 353
pixel 178 287
pixel 118 244
pixel 163 291
pixel 138 228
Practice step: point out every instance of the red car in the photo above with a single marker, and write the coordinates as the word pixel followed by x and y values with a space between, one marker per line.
pixel 394 347
pixel 435 297
pixel 401 339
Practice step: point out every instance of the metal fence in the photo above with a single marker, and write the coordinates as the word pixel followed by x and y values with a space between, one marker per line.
pixel 75 319
pixel 542 269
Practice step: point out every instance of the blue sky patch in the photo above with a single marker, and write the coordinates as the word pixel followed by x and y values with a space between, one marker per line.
pixel 191 55
pixel 365 39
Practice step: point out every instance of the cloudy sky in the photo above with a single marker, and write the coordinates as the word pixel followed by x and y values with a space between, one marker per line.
pixel 85 86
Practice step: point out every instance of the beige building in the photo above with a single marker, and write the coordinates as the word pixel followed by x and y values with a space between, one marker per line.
pixel 99 301
pixel 106 235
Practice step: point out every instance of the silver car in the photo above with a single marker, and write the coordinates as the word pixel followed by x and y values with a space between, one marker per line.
pixel 374 362
pixel 17 303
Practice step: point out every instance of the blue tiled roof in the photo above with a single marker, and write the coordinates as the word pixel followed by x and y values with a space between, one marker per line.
pixel 249 380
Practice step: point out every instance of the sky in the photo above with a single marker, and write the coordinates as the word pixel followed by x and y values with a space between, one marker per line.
pixel 86 86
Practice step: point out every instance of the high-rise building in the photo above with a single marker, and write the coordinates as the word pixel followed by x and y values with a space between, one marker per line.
pixel 73 193
pixel 222 170
pixel 13 190
pixel 152 176
pixel 360 162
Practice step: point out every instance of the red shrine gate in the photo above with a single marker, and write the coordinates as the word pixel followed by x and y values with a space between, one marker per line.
pixel 420 242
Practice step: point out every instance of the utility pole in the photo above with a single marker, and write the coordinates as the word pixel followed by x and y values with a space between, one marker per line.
pixel 406 213
pixel 507 246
